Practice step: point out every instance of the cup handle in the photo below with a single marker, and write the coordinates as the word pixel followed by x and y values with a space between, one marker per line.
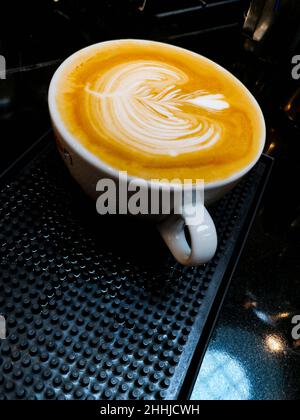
pixel 203 237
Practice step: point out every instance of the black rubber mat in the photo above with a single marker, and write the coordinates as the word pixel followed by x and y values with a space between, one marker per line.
pixel 95 307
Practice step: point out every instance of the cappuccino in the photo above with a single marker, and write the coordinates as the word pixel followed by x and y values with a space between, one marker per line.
pixel 158 111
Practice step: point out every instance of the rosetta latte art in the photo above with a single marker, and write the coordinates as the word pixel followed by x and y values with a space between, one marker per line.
pixel 143 105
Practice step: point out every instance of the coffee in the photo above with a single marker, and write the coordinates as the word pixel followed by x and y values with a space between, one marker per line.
pixel 158 111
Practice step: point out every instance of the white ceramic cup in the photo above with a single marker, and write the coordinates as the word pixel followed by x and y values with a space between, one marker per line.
pixel 87 170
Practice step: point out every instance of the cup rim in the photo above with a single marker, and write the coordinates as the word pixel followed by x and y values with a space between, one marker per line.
pixel 115 173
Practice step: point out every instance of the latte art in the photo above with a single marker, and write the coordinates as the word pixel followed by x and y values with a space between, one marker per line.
pixel 140 104
pixel 158 111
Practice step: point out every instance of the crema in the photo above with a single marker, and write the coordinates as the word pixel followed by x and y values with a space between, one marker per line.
pixel 158 111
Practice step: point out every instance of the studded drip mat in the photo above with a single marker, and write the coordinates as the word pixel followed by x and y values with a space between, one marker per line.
pixel 95 307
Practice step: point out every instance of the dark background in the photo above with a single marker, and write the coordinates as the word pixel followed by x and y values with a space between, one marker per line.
pixel 35 36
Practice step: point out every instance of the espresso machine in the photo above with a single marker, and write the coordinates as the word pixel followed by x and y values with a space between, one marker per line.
pixel 85 318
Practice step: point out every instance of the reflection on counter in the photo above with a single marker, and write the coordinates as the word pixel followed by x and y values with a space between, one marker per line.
pixel 274 344
pixel 223 378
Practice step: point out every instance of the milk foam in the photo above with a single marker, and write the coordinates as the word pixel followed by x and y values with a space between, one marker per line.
pixel 143 105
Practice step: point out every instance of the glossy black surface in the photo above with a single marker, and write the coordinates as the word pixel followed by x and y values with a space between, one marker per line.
pixel 252 354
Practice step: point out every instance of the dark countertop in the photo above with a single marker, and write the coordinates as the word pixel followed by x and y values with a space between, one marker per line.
pixel 252 354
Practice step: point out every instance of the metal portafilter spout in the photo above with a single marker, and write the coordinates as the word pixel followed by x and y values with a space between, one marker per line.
pixel 272 39
pixel 272 27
